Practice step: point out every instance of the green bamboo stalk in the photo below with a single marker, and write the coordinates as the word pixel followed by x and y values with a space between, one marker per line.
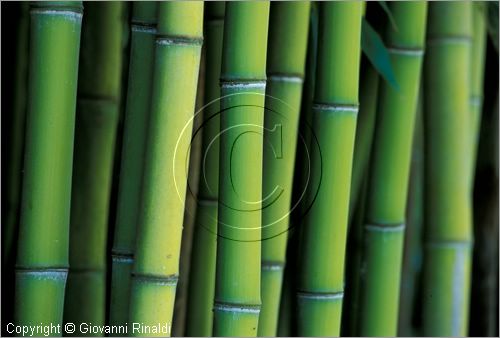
pixel 287 45
pixel 243 74
pixel 42 259
pixel 334 122
pixel 13 121
pixel 364 132
pixel 361 158
pixel 143 33
pixel 203 257
pixel 96 122
pixel 478 50
pixel 16 141
pixel 156 266
pixel 389 173
pixel 448 232
pixel 412 255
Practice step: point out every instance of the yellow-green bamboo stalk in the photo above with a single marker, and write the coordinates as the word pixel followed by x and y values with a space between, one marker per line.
pixel 448 233
pixel 243 74
pixel 202 274
pixel 95 133
pixel 321 282
pixel 287 45
pixel 42 260
pixel 156 266
pixel 389 173
pixel 143 34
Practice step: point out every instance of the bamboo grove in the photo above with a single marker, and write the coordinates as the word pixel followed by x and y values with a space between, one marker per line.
pixel 250 168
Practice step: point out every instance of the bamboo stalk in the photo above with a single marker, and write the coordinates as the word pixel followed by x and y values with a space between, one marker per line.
pixel 361 158
pixel 42 259
pixel 156 266
pixel 448 233
pixel 95 133
pixel 478 50
pixel 287 45
pixel 143 33
pixel 203 259
pixel 243 73
pixel 389 173
pixel 334 122
pixel 13 121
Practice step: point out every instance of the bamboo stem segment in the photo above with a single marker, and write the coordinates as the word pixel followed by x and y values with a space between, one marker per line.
pixel 143 34
pixel 176 68
pixel 448 233
pixel 96 123
pixel 42 259
pixel 389 173
pixel 334 123
pixel 243 74
pixel 287 45
pixel 203 260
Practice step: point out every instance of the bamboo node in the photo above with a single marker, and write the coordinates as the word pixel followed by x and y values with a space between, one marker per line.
pixel 143 28
pixel 272 265
pixel 233 307
pixel 155 279
pixel 385 227
pixel 320 295
pixel 336 108
pixel 279 77
pixel 243 83
pixel 167 40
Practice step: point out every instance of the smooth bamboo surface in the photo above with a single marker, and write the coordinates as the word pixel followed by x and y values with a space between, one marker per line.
pixel 176 68
pixel 42 259
pixel 143 34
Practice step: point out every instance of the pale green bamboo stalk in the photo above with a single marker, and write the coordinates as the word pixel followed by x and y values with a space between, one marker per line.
pixel 95 133
pixel 334 121
pixel 243 74
pixel 389 173
pixel 143 33
pixel 448 232
pixel 156 266
pixel 203 257
pixel 42 261
pixel 287 45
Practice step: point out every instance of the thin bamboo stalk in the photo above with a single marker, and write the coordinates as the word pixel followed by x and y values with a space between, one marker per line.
pixel 95 133
pixel 243 73
pixel 287 45
pixel 334 122
pixel 478 50
pixel 156 266
pixel 448 232
pixel 143 33
pixel 42 261
pixel 389 173
pixel 362 150
pixel 13 129
pixel 202 275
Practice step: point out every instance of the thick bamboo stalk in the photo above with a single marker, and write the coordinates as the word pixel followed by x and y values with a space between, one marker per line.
pixel 243 74
pixel 287 45
pixel 156 266
pixel 361 158
pixel 203 257
pixel 448 233
pixel 334 122
pixel 95 132
pixel 389 173
pixel 143 33
pixel 42 260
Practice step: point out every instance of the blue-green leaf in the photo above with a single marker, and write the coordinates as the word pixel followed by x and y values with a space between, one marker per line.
pixel 375 50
